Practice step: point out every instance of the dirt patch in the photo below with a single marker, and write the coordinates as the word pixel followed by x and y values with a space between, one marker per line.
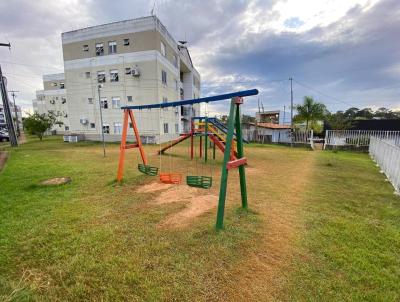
pixel 153 187
pixel 3 159
pixel 197 206
pixel 56 181
pixel 177 194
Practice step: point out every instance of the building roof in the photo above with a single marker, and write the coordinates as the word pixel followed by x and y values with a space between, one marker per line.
pixel 53 77
pixel 271 125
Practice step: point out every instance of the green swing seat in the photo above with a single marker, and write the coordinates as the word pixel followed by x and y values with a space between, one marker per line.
pixel 148 170
pixel 204 182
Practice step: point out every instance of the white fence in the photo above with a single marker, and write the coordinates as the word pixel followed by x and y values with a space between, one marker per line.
pixel 358 138
pixel 277 136
pixel 387 156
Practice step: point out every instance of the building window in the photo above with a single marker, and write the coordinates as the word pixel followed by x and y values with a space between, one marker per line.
pixel 112 47
pixel 130 99
pixel 126 42
pixel 90 100
pixel 176 128
pixel 92 125
pixel 117 128
pixel 175 60
pixel 104 103
pixel 99 49
pixel 163 52
pixel 54 84
pixel 62 85
pixel 101 76
pixel 87 74
pixel 128 70
pixel 85 47
pixel 106 129
pixel 63 100
pixel 66 128
pixel 164 77
pixel 165 127
pixel 114 75
pixel 116 103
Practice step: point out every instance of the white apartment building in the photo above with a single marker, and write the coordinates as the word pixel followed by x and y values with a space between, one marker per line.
pixel 16 116
pixel 136 62
pixel 53 99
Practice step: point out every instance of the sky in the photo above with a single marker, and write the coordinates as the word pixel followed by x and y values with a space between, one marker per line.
pixel 344 53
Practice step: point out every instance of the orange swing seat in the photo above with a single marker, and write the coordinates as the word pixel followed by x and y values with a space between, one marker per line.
pixel 171 178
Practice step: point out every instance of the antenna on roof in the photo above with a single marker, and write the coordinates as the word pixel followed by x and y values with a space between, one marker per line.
pixel 262 106
pixel 259 109
pixel 152 10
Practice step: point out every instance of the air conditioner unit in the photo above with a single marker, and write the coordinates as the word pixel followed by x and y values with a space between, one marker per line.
pixel 135 72
pixel 83 121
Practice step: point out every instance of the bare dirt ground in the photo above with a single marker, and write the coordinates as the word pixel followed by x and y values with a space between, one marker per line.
pixel 196 206
pixel 196 203
pixel 56 181
pixel 153 187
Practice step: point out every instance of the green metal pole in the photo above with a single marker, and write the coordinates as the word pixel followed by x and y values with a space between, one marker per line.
pixel 224 172
pixel 206 140
pixel 242 174
pixel 213 150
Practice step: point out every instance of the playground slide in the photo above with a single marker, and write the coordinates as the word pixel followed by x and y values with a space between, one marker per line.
pixel 175 142
pixel 221 146
pixel 217 123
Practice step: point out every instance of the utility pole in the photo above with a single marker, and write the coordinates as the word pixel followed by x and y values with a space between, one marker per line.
pixel 284 113
pixel 101 121
pixel 6 104
pixel 15 110
pixel 291 111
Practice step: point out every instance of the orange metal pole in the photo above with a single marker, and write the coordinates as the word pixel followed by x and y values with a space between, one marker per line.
pixel 122 147
pixel 137 135
pixel 191 138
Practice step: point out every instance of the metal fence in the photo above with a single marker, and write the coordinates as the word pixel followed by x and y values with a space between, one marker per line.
pixel 387 156
pixel 358 139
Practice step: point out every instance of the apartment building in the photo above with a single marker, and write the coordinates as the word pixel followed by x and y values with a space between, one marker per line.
pixel 53 99
pixel 135 62
pixel 16 114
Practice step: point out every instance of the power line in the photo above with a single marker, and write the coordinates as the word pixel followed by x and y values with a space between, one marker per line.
pixel 321 93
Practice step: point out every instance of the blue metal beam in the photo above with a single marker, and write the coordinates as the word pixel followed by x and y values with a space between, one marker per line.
pixel 196 101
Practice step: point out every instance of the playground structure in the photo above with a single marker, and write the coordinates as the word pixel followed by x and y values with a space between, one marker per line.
pixel 230 143
pixel 209 128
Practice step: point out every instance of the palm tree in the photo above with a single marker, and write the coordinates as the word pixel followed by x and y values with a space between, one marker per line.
pixel 310 111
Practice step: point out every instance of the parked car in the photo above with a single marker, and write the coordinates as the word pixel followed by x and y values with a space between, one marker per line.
pixel 4 136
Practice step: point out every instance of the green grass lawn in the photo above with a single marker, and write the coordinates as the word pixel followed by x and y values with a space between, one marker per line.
pixel 92 240
pixel 351 247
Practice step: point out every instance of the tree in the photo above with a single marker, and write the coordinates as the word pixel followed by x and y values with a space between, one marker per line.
pixel 310 112
pixel 338 120
pixel 38 124
pixel 248 119
pixel 365 114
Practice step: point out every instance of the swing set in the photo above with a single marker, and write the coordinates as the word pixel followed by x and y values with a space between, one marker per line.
pixel 232 158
